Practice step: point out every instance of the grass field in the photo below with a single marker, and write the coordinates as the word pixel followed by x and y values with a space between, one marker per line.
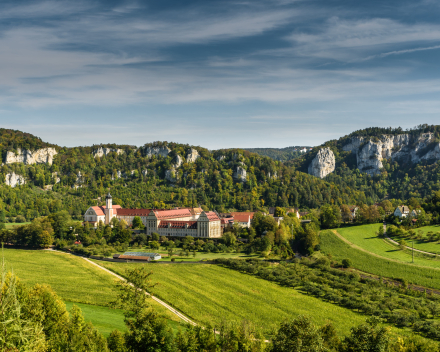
pixel 365 237
pixel 433 247
pixel 75 281
pixel 371 263
pixel 106 319
pixel 210 293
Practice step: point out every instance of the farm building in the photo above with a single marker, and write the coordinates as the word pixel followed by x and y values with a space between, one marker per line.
pixel 140 256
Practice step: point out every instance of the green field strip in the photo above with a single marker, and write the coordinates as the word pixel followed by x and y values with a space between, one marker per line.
pixel 377 265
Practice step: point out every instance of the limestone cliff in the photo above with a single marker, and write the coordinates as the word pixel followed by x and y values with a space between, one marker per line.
pixel 27 157
pixel 192 156
pixel 158 151
pixel 323 163
pixel 370 152
pixel 14 180
pixel 240 174
pixel 101 151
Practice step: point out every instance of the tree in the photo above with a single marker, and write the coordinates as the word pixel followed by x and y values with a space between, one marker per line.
pixel 137 223
pixel 330 216
pixel 367 337
pixel 298 335
pixel 279 212
pixel 155 236
pixel 116 342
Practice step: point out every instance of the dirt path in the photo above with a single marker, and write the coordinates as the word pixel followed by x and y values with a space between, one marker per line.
pixel 171 309
pixel 377 255
pixel 408 247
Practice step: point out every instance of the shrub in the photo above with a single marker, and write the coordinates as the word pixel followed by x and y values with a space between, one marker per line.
pixel 20 219
pixel 346 263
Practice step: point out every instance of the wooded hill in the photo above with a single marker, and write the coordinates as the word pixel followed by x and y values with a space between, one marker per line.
pixel 280 154
pixel 227 179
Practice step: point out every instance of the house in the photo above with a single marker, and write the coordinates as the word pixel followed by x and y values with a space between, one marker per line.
pixel 295 211
pixel 303 213
pixel 415 213
pixel 227 222
pixel 244 219
pixel 402 211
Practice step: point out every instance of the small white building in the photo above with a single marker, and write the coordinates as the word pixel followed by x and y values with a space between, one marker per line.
pixel 415 213
pixel 401 211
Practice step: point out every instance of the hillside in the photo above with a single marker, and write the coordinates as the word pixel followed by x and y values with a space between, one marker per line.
pixel 390 162
pixel 280 154
pixel 40 178
pixel 160 175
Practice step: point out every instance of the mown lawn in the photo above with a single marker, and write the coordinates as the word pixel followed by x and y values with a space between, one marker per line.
pixel 370 263
pixel 365 237
pixel 432 247
pixel 210 293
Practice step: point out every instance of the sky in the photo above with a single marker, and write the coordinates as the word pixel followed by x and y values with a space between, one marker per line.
pixel 217 74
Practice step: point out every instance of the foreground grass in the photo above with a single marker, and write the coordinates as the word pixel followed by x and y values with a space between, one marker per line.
pixel 371 263
pixel 106 319
pixel 72 278
pixel 365 237
pixel 210 294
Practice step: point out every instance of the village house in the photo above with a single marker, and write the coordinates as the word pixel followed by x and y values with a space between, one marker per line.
pixel 401 211
pixel 415 213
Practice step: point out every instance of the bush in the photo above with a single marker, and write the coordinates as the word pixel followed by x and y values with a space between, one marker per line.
pixel 346 263
pixel 20 219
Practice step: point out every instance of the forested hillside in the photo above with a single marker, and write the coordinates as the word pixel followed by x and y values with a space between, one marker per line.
pixel 280 154
pixel 165 175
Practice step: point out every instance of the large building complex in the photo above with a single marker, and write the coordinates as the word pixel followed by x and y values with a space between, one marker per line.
pixel 170 223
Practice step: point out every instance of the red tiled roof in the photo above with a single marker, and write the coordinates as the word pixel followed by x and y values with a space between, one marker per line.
pixel 251 214
pixel 100 210
pixel 175 213
pixel 212 216
pixel 133 212
pixel 241 217
pixel 178 224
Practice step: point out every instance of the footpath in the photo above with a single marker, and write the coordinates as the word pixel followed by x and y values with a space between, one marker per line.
pixel 407 247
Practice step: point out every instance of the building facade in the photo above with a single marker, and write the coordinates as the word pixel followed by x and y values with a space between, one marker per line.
pixel 170 223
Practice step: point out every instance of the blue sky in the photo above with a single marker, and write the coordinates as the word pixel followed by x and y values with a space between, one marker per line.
pixel 217 73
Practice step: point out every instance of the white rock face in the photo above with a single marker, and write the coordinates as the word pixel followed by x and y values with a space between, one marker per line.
pixel 79 178
pixel 158 151
pixel 240 174
pixel 24 156
pixel 323 163
pixel 221 157
pixel 55 177
pixel 170 175
pixel 192 156
pixel 178 161
pixel 100 152
pixel 370 152
pixel 14 180
pixel 145 172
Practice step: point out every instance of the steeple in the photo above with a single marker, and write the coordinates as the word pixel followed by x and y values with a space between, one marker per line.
pixel 108 208
pixel 108 196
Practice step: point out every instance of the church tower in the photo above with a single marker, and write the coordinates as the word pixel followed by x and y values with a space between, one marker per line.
pixel 108 209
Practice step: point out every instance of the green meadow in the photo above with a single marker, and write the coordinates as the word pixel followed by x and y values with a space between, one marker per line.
pixel 367 258
pixel 210 293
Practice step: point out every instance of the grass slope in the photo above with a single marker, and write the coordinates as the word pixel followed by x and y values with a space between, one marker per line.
pixel 365 237
pixel 210 293
pixel 432 247
pixel 371 263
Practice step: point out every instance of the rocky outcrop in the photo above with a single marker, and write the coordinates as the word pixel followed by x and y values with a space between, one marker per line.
pixel 158 151
pixel 323 163
pixel 170 175
pixel 192 156
pixel 178 161
pixel 101 151
pixel 221 157
pixel 14 180
pixel 145 172
pixel 55 177
pixel 27 157
pixel 240 174
pixel 370 152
